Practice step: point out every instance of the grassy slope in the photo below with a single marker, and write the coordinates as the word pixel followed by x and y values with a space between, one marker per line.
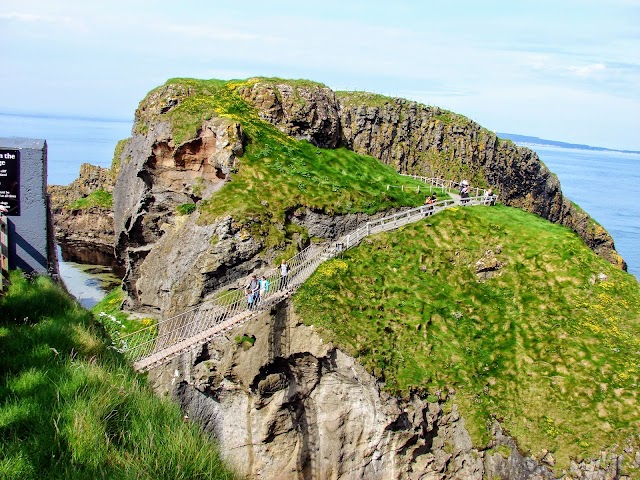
pixel 277 173
pixel 71 409
pixel 542 347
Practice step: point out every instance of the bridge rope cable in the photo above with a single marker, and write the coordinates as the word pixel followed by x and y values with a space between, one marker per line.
pixel 158 343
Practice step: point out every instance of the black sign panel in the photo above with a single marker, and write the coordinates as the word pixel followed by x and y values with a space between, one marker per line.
pixel 10 181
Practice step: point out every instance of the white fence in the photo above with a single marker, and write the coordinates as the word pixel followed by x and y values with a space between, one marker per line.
pixel 446 184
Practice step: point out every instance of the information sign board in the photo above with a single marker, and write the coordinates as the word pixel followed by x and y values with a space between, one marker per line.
pixel 10 181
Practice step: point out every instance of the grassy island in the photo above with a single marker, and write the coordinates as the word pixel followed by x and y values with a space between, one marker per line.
pixel 512 314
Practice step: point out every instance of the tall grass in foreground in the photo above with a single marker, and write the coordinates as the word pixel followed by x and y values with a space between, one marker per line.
pixel 70 408
pixel 547 346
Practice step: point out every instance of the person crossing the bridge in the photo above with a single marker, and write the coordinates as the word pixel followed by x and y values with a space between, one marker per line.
pixel 488 198
pixel 464 192
pixel 254 292
pixel 284 273
pixel 264 287
pixel 431 199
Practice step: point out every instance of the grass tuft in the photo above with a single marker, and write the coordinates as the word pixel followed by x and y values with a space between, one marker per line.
pixel 98 198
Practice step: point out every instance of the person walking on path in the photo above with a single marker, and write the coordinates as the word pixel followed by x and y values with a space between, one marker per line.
pixel 284 272
pixel 464 192
pixel 489 199
pixel 431 199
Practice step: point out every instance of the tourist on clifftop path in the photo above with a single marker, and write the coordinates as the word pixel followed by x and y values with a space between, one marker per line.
pixel 464 192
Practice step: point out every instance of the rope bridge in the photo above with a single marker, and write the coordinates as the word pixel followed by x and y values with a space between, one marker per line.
pixel 157 344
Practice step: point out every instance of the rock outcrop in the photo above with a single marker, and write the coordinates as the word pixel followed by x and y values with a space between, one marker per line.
pixel 156 176
pixel 173 262
pixel 84 228
pixel 281 402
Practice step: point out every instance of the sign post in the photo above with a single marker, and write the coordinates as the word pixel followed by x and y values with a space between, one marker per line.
pixel 23 194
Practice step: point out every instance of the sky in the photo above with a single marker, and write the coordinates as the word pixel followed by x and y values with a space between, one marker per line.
pixel 563 70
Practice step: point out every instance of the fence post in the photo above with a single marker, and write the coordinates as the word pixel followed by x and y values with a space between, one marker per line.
pixel 4 251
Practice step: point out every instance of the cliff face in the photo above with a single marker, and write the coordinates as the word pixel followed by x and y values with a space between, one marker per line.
pixel 156 176
pixel 284 404
pixel 428 141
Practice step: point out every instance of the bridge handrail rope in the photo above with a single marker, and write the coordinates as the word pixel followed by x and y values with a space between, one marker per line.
pixel 159 342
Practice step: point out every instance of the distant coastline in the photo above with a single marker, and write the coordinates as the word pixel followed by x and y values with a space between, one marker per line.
pixel 526 140
pixel 64 116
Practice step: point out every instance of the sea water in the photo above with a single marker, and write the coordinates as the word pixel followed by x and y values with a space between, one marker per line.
pixel 605 184
pixel 71 141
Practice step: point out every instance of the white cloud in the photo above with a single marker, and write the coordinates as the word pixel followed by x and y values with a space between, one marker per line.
pixel 21 17
pixel 209 33
pixel 32 18
pixel 587 70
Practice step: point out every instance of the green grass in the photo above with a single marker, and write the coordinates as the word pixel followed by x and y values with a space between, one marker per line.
pixel 363 98
pixel 98 198
pixel 277 179
pixel 119 324
pixel 117 158
pixel 543 346
pixel 71 408
pixel 186 208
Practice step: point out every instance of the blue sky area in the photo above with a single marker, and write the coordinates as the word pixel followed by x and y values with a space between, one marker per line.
pixel 565 70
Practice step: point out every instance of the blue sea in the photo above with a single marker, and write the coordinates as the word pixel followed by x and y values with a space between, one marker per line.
pixel 605 184
pixel 71 141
